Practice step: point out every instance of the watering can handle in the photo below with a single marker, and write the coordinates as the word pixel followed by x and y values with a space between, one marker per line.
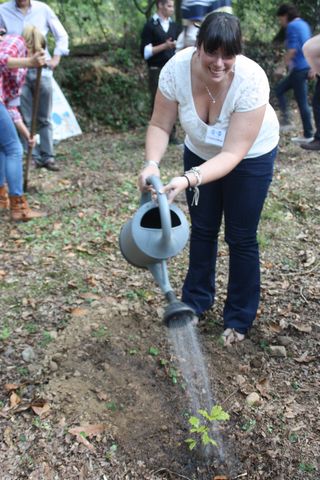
pixel 163 206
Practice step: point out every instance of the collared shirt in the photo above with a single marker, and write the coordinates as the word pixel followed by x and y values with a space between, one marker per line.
pixel 165 24
pixel 12 79
pixel 41 16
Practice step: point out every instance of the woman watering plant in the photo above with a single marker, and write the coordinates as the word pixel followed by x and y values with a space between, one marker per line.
pixel 17 53
pixel 231 141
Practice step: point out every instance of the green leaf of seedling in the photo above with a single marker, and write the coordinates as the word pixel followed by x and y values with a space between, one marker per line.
pixel 218 414
pixel 191 443
pixel 206 439
pixel 153 351
pixel 205 414
pixel 194 421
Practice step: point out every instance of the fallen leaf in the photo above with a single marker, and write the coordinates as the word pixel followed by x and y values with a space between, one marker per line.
pixel 305 358
pixel 301 327
pixel 79 312
pixel 263 386
pixel 9 387
pixel 275 327
pixel 14 400
pixel 89 430
pixel 90 296
pixel 41 408
pixel 7 436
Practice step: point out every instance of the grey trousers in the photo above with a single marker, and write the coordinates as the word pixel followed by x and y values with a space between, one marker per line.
pixel 43 152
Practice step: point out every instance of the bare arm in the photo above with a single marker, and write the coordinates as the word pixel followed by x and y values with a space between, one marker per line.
pixel 311 50
pixel 37 60
pixel 242 133
pixel 54 61
pixel 161 123
pixel 22 129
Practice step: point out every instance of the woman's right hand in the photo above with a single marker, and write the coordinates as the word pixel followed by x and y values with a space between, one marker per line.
pixel 38 59
pixel 144 174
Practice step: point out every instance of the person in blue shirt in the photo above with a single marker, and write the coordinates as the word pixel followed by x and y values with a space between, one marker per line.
pixel 297 33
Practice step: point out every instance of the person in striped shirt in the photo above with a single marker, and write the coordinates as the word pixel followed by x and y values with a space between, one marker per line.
pixel 193 11
pixel 16 55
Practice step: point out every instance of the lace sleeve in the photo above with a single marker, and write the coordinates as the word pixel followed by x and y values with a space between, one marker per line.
pixel 253 92
pixel 167 80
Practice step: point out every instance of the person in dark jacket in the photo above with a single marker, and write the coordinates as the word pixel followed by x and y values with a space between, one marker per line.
pixel 158 43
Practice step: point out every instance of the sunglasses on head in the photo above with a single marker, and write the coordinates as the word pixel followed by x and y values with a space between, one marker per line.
pixel 2 32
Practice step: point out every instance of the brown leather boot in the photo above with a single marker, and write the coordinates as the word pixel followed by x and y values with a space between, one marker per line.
pixel 4 199
pixel 20 211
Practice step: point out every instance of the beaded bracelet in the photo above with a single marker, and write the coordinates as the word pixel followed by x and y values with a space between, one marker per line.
pixel 151 163
pixel 197 173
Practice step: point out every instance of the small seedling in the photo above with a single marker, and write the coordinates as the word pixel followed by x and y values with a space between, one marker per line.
pixel 112 451
pixel 202 426
pixel 5 333
pixel 46 339
pixel 307 467
pixel 173 374
pixel 153 351
pixel 249 425
pixel 100 332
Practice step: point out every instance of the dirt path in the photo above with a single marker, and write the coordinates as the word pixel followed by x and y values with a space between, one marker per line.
pixel 82 342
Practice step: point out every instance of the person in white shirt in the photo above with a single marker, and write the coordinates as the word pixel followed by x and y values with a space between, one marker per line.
pixel 15 15
pixel 232 133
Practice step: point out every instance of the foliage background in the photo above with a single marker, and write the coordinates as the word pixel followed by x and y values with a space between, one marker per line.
pixel 105 70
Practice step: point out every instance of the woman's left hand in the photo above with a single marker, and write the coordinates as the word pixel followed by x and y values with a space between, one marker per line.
pixel 174 187
pixel 32 141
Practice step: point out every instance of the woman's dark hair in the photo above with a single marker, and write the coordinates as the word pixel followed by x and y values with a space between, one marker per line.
pixel 220 30
pixel 288 9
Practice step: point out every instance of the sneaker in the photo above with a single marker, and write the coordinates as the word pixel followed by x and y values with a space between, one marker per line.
pixel 49 164
pixel 300 140
pixel 314 145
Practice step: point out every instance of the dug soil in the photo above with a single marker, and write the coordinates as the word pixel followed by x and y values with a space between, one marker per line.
pixel 90 388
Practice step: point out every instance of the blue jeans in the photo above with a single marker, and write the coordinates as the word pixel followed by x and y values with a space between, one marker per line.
pixel 11 154
pixel 45 152
pixel 239 196
pixel 297 80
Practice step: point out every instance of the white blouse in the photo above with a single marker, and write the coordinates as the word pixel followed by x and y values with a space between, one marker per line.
pixel 249 90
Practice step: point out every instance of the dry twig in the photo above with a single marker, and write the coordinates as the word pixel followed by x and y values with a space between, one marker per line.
pixel 161 470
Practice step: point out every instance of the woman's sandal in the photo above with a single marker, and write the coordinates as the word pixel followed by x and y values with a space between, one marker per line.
pixel 230 336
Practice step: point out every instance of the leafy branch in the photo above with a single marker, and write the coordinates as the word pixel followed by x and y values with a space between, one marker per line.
pixel 202 426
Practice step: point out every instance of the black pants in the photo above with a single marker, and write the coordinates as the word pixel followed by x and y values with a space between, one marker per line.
pixel 316 108
pixel 239 197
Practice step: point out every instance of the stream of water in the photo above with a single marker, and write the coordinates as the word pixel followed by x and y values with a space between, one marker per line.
pixel 190 361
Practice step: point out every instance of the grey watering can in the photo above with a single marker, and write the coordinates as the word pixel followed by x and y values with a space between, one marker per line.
pixel 157 232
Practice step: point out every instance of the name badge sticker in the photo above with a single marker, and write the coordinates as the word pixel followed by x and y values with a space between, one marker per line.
pixel 215 136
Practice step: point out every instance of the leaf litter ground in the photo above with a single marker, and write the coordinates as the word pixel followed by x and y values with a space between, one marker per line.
pixel 89 386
